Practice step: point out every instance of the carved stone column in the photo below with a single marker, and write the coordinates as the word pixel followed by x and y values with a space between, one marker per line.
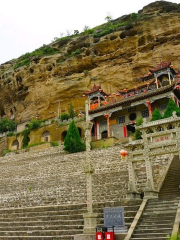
pixel 89 217
pixel 150 191
pixel 132 190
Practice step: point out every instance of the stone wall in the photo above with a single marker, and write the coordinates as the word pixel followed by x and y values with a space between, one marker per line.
pixel 3 144
pixel 52 177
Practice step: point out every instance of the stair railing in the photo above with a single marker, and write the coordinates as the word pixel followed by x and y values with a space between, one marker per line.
pixel 136 219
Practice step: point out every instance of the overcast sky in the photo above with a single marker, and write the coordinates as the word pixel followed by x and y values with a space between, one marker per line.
pixel 28 24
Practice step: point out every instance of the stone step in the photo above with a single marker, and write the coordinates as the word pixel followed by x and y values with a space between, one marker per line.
pixel 152 230
pixel 45 218
pixel 42 223
pixel 36 227
pixel 150 235
pixel 62 237
pixel 149 238
pixel 53 233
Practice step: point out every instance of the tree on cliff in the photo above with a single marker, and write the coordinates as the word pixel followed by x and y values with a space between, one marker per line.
pixel 7 125
pixel 156 115
pixel 72 141
pixel 171 107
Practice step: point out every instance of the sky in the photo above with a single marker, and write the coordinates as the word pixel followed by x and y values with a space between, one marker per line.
pixel 28 24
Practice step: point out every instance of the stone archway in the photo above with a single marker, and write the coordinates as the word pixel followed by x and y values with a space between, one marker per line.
pixel 46 136
pixel 63 135
pixel 15 145
pixel 80 131
pixel 158 138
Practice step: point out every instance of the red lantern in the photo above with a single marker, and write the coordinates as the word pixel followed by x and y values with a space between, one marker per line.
pixel 117 95
pixel 125 90
pixel 79 115
pixel 148 102
pixel 171 66
pixel 177 87
pixel 178 76
pixel 106 115
pixel 105 97
pixel 123 153
pixel 149 73
pixel 110 96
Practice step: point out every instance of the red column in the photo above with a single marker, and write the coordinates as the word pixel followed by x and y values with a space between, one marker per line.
pixel 149 109
pixel 95 130
pixel 108 125
pixel 125 131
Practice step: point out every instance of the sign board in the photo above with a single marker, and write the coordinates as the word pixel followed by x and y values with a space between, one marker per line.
pixel 114 217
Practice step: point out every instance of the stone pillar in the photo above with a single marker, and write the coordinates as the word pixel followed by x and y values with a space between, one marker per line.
pixel 132 190
pixel 156 82
pixel 150 191
pixel 169 77
pixel 89 216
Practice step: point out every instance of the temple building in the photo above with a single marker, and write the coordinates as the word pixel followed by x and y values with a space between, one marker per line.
pixel 115 115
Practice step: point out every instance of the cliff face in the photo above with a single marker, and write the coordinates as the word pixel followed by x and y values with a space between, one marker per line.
pixel 115 60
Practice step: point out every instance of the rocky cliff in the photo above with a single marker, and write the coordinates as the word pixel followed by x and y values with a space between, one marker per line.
pixel 114 55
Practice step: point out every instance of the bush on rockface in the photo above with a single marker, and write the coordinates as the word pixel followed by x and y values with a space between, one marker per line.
pixel 7 125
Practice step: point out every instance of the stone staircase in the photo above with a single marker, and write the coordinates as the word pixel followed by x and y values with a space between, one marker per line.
pixel 156 221
pixel 171 186
pixel 55 222
pixel 49 222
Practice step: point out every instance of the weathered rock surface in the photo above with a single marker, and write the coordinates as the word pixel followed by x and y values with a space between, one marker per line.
pixel 115 61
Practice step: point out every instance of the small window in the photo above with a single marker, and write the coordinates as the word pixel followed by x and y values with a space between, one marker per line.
pixel 121 119
pixel 132 116
pixel 145 113
pixel 163 107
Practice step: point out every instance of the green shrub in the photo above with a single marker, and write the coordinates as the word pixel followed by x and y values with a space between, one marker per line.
pixel 156 115
pixel 171 107
pixel 36 144
pixel 34 124
pixel 64 116
pixel 10 134
pixel 54 144
pixel 71 111
pixel 72 141
pixel 7 125
pixel 26 139
pixel 138 134
pixel 5 151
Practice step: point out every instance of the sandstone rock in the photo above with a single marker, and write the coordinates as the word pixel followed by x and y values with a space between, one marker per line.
pixel 115 61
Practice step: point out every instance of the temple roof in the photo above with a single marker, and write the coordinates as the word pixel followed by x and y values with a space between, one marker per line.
pixel 160 66
pixel 95 89
pixel 134 99
pixel 137 87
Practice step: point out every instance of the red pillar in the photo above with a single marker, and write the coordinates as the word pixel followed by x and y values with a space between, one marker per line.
pixel 95 130
pixel 149 109
pixel 108 125
pixel 125 131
